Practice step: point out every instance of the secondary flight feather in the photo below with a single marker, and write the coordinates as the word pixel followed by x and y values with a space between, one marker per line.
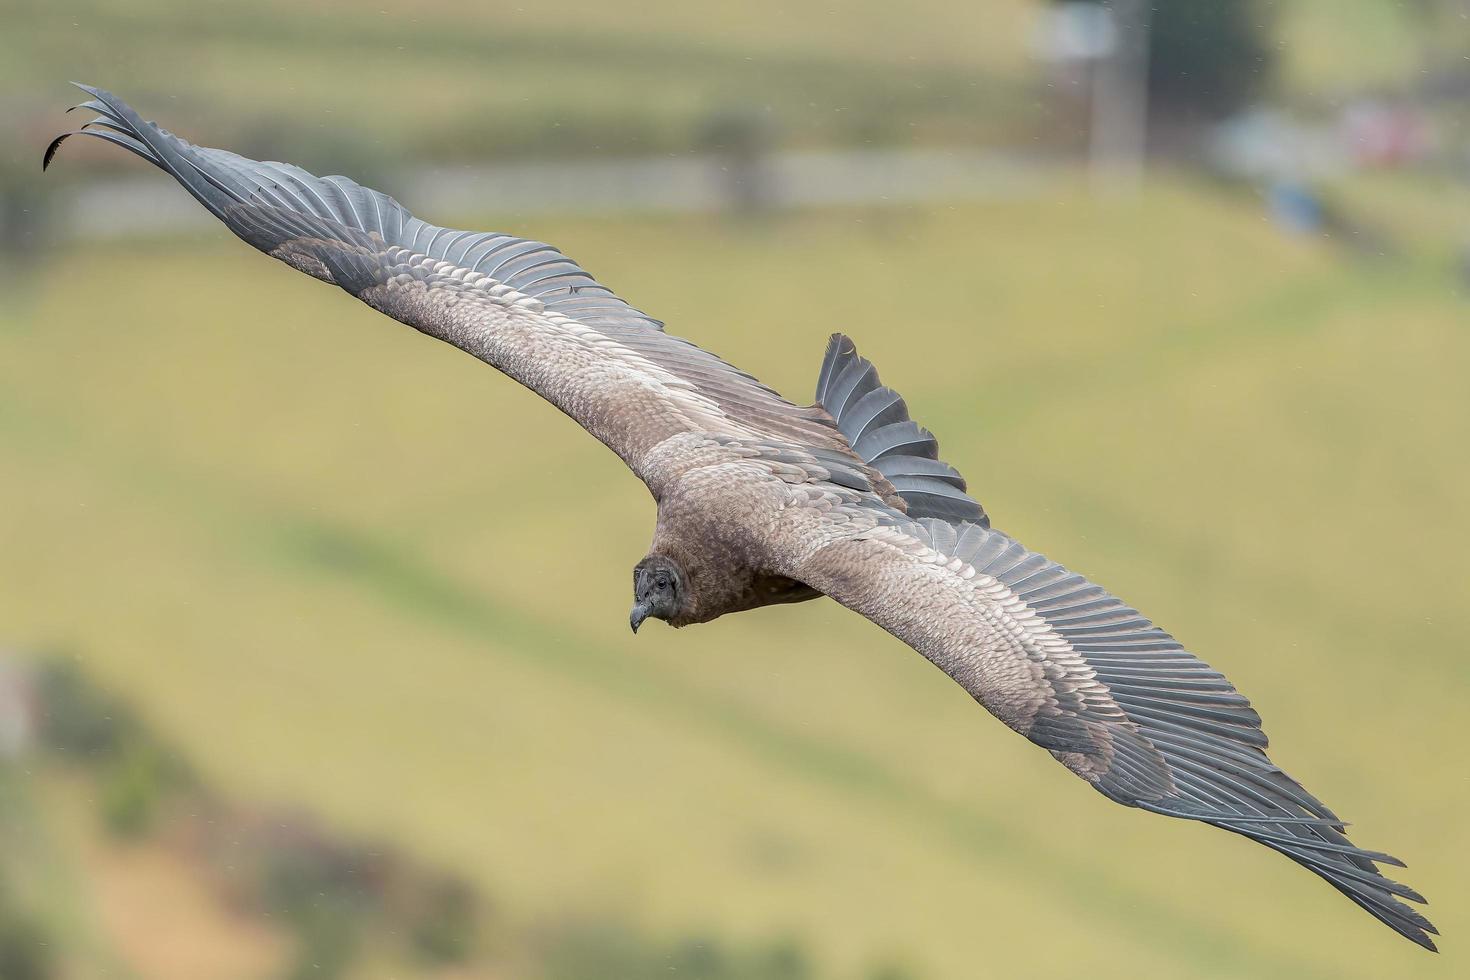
pixel 763 501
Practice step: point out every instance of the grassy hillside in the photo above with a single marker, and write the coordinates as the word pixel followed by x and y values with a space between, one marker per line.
pixel 440 79
pixel 352 567
pixel 446 80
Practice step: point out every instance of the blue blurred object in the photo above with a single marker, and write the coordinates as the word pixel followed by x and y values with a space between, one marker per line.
pixel 1294 207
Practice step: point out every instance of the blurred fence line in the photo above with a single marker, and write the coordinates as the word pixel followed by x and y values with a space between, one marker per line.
pixel 120 206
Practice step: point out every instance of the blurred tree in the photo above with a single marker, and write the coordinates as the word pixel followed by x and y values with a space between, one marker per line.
pixel 890 971
pixel 24 215
pixel 1206 58
pixel 327 935
pixel 26 952
pixel 742 141
pixel 93 728
pixel 324 889
pixel 577 950
pixel 446 922
pixel 1442 29
pixel 782 960
pixel 78 720
pixel 135 787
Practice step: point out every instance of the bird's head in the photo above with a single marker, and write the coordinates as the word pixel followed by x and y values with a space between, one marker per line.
pixel 659 590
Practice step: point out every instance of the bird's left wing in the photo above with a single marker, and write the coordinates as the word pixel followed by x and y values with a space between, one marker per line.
pixel 1077 671
pixel 519 305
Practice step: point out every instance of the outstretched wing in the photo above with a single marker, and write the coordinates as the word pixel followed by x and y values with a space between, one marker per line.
pixel 520 306
pixel 1114 698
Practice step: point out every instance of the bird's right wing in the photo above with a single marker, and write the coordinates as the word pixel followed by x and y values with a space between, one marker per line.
pixel 519 305
pixel 1114 698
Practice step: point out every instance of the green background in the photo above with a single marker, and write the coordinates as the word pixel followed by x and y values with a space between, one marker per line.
pixel 350 568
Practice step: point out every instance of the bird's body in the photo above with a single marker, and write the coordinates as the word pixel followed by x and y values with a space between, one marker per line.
pixel 763 501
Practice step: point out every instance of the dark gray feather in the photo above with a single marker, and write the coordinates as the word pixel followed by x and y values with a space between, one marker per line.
pixel 1206 733
pixel 356 237
pixel 875 421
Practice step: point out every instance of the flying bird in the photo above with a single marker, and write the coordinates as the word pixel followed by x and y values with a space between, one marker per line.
pixel 764 501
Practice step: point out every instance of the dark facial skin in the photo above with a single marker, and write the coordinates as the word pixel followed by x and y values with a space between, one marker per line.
pixel 657 589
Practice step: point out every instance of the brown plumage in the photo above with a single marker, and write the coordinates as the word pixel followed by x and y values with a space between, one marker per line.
pixel 761 501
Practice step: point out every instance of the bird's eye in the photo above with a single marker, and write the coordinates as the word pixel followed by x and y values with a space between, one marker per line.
pixel 662 584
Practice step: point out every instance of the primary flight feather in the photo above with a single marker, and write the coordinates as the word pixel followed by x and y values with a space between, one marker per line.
pixel 762 501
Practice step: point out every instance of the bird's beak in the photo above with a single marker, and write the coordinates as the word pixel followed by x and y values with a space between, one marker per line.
pixel 638 615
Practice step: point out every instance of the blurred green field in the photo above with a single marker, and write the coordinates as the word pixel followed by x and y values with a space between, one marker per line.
pixel 353 568
pixel 593 78
pixel 443 80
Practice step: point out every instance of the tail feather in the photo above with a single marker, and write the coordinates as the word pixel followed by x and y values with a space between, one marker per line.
pixel 875 421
